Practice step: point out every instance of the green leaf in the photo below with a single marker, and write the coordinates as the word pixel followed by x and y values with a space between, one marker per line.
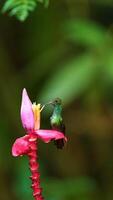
pixel 70 80
pixel 85 32
pixel 21 8
pixel 8 5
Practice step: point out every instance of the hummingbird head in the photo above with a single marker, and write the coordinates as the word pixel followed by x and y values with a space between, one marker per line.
pixel 56 101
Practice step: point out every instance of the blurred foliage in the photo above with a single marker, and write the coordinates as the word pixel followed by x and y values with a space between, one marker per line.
pixel 21 8
pixel 64 51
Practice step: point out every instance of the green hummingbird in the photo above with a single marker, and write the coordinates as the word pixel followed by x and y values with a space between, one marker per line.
pixel 56 120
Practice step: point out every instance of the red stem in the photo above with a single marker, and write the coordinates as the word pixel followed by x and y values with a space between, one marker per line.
pixel 34 168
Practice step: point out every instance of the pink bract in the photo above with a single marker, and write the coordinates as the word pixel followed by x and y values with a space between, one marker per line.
pixel 20 146
pixel 48 135
pixel 27 115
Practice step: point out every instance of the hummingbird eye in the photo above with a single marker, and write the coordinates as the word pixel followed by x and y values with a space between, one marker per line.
pixel 57 101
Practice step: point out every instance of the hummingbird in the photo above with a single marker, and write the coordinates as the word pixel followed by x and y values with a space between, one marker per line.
pixel 56 120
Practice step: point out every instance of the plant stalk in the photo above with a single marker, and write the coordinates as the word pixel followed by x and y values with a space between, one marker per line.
pixel 34 168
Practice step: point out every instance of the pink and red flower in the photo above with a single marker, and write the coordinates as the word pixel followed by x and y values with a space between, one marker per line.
pixel 30 117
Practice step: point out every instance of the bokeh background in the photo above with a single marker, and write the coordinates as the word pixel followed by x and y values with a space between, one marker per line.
pixel 64 51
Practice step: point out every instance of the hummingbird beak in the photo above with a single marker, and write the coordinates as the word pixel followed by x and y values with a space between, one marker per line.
pixel 49 103
pixel 42 107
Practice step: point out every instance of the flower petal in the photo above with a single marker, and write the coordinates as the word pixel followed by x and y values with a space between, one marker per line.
pixel 48 135
pixel 27 115
pixel 21 146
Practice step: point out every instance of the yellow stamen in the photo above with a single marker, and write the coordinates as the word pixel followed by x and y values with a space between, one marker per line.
pixel 37 110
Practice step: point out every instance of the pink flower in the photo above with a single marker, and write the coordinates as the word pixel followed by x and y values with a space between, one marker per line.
pixel 27 145
pixel 30 117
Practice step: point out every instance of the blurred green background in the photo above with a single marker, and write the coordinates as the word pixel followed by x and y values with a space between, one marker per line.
pixel 64 51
